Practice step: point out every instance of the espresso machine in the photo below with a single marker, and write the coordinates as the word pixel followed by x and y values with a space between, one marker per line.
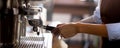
pixel 14 15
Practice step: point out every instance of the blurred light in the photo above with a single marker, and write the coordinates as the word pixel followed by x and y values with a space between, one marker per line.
pixel 55 23
pixel 96 1
pixel 82 0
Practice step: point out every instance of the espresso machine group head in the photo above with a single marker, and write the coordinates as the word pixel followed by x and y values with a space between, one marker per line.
pixel 34 17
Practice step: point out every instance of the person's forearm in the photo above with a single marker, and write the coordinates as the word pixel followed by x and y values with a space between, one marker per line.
pixel 96 29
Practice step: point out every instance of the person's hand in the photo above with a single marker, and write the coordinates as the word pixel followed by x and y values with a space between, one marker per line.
pixel 56 31
pixel 65 30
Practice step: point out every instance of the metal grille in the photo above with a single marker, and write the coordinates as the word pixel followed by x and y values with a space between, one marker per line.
pixel 31 42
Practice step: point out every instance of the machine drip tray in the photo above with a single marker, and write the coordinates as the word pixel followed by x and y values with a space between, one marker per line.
pixel 44 41
pixel 31 42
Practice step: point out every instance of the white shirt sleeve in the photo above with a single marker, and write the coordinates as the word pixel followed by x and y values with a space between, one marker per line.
pixel 113 31
pixel 96 15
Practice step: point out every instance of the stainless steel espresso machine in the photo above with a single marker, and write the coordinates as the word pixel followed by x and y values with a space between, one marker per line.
pixel 14 17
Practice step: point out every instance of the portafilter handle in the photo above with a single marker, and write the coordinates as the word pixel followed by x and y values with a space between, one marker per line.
pixel 50 28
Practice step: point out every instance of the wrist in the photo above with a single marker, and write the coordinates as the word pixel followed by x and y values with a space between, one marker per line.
pixel 76 27
pixel 79 28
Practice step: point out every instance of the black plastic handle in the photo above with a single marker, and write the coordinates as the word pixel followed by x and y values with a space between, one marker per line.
pixel 50 28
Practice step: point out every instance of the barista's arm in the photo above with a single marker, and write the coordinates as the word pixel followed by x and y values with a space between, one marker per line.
pixel 95 29
pixel 69 30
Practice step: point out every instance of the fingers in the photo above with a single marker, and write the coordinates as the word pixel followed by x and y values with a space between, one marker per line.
pixel 65 30
pixel 56 31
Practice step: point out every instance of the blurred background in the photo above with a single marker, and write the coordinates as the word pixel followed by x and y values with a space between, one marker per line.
pixel 65 11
